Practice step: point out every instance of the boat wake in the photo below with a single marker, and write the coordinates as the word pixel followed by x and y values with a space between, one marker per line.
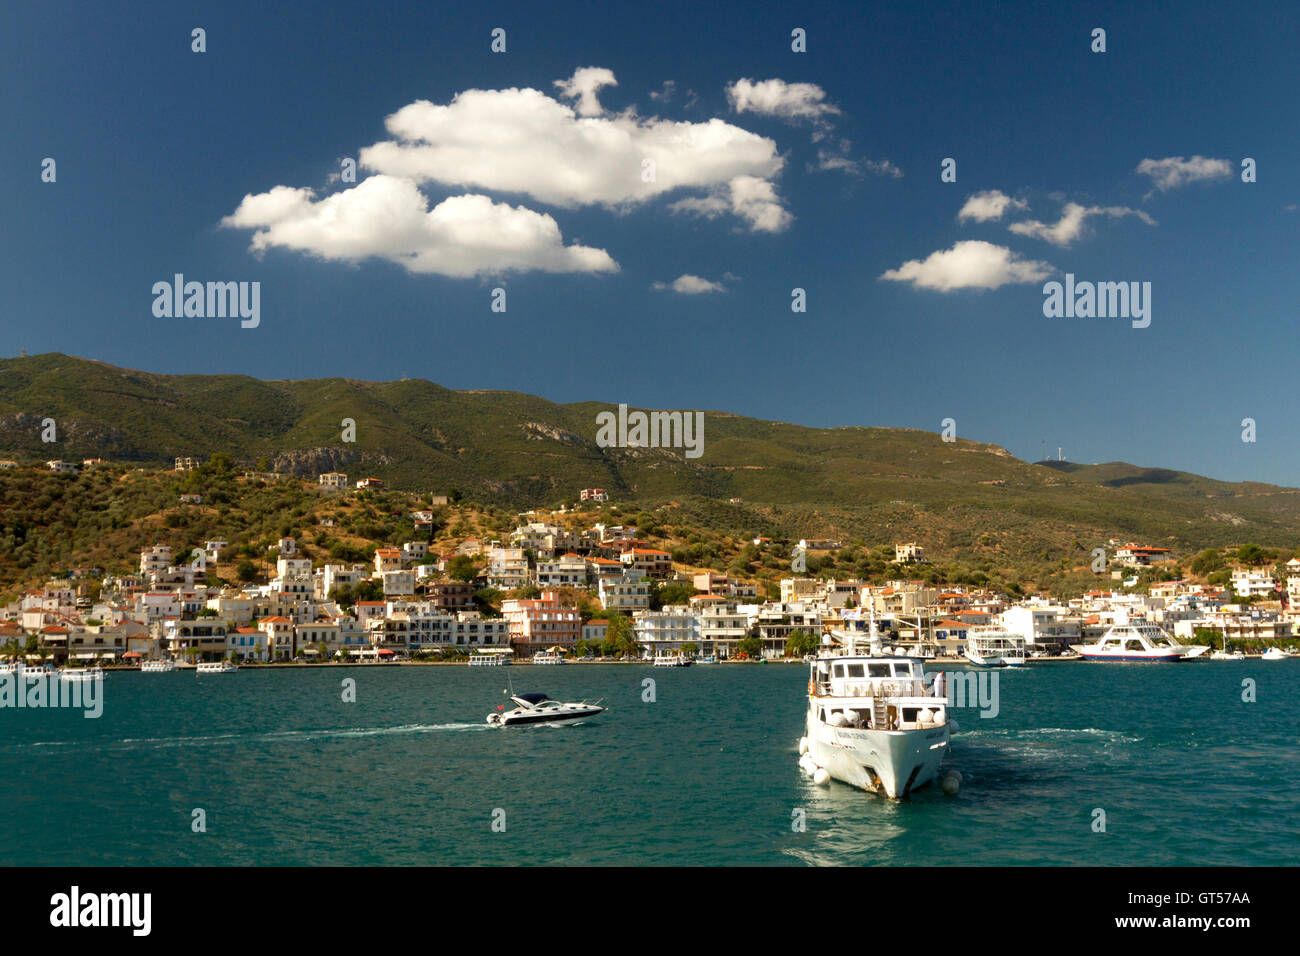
pixel 135 743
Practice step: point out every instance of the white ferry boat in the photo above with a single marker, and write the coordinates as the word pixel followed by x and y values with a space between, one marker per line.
pixel 873 722
pixel 1138 641
pixel 672 660
pixel 995 647
pixel 538 708
pixel 214 667
pixel 489 660
pixel 28 672
pixel 548 657
pixel 157 667
pixel 81 673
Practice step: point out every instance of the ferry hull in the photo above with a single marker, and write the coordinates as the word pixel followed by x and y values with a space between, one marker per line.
pixel 891 762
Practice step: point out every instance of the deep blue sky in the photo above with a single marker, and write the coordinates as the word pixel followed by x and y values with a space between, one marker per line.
pixel 156 144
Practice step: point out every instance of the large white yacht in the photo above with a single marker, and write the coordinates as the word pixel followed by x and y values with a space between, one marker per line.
pixel 994 647
pixel 873 722
pixel 1138 641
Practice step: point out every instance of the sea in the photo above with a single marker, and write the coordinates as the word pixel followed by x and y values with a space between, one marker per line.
pixel 1112 764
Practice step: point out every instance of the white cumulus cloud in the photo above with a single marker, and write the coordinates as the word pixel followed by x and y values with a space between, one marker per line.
pixel 750 198
pixel 389 218
pixel 523 141
pixel 583 87
pixel 970 264
pixel 788 101
pixel 688 284
pixel 1175 171
pixel 990 204
pixel 1073 220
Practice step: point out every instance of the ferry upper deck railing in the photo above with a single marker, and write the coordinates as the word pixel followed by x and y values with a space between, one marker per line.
pixel 888 687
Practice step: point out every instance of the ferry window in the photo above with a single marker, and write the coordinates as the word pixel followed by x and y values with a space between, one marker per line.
pixel 855 670
pixel 839 670
pixel 902 670
pixel 878 670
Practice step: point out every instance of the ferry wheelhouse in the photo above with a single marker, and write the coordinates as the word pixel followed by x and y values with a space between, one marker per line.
pixel 874 721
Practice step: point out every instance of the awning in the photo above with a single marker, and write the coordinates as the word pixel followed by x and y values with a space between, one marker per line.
pixel 131 654
pixel 385 652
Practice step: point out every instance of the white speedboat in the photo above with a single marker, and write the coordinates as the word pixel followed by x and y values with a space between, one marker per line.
pixel 995 647
pixel 1137 641
pixel 157 667
pixel 538 709
pixel 1274 654
pixel 215 667
pixel 488 660
pixel 873 722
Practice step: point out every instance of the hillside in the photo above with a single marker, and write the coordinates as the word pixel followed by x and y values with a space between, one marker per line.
pixel 964 500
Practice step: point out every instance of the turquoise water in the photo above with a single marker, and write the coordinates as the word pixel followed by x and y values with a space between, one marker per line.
pixel 289 774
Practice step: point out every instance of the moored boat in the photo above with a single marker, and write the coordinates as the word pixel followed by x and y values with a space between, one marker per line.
pixel 157 667
pixel 994 647
pixel 489 660
pixel 672 660
pixel 215 667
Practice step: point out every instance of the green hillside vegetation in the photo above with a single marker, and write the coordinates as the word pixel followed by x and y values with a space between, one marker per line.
pixel 978 510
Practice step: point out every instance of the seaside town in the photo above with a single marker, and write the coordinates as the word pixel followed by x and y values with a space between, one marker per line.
pixel 583 593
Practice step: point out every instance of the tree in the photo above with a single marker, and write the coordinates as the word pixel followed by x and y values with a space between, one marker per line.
pixel 799 643
pixel 670 592
pixel 750 646
pixel 462 568
pixel 246 571
pixel 1251 554
pixel 1206 562
pixel 690 649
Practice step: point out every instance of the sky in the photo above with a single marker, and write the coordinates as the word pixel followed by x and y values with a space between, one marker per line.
pixel 671 285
